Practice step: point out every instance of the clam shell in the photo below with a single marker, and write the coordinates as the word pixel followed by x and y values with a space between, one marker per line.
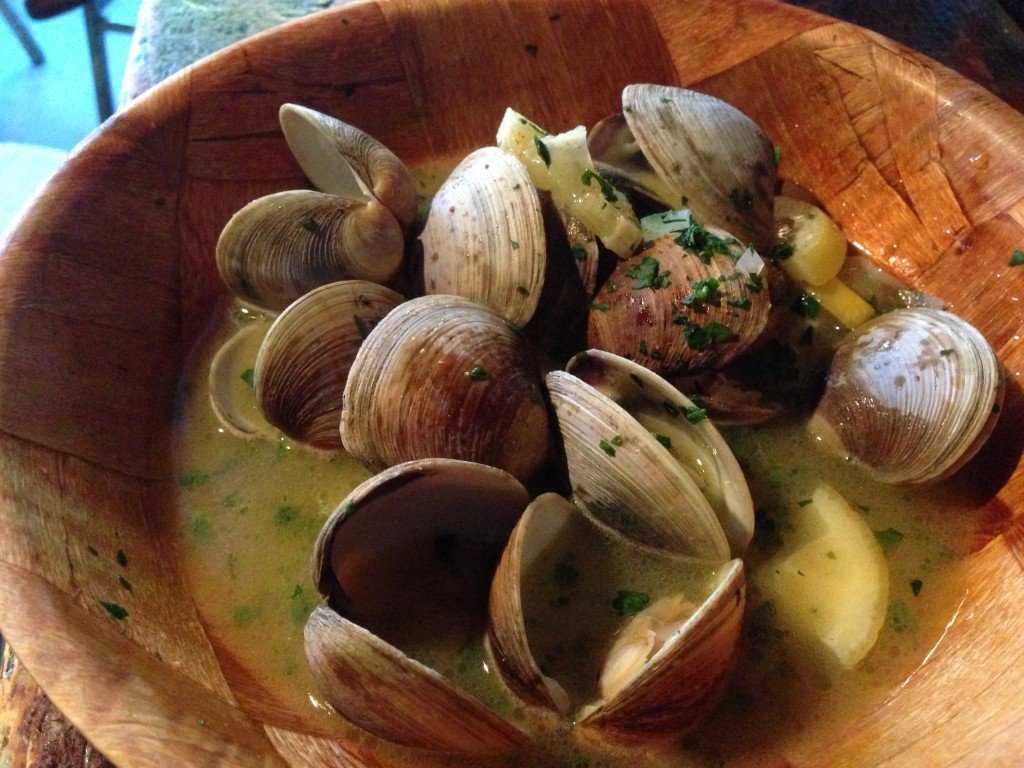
pixel 622 476
pixel 911 395
pixel 377 560
pixel 698 444
pixel 660 691
pixel 283 245
pixel 657 327
pixel 714 158
pixel 445 376
pixel 304 360
pixel 231 386
pixel 685 679
pixel 484 236
pixel 342 160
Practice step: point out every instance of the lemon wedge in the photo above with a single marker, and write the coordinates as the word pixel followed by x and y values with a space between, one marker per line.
pixel 561 163
pixel 830 582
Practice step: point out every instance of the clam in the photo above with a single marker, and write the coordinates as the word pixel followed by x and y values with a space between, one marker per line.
pixel 304 360
pixel 683 303
pixel 445 376
pixel 682 427
pixel 641 467
pixel 342 160
pixel 352 227
pixel 231 383
pixel 404 565
pixel 691 150
pixel 911 395
pixel 484 236
pixel 645 663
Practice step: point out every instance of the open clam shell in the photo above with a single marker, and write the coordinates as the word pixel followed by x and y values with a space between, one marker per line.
pixel 625 478
pixel 304 360
pixel 681 427
pixel 445 376
pixel 676 307
pixel 405 565
pixel 911 395
pixel 661 663
pixel 283 245
pixel 231 383
pixel 342 160
pixel 707 155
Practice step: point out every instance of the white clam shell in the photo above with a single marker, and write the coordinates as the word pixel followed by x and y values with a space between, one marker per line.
pixel 911 395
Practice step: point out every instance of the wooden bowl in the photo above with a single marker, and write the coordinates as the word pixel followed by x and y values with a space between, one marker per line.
pixel 109 279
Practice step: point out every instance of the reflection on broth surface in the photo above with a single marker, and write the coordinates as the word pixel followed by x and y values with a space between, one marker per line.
pixel 252 508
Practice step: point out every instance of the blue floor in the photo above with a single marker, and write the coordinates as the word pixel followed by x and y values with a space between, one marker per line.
pixel 54 104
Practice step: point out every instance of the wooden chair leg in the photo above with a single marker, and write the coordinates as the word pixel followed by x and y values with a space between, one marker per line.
pixel 94 23
pixel 35 53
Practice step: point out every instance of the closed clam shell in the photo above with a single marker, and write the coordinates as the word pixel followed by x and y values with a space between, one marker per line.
pixel 714 158
pixel 911 395
pixel 663 324
pixel 484 236
pixel 445 376
pixel 343 160
pixel 304 360
pixel 660 671
pixel 406 561
pixel 625 478
pixel 283 245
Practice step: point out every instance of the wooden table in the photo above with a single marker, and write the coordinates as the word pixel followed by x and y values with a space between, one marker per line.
pixel 981 39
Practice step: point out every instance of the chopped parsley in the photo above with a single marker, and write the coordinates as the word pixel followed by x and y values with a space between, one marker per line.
pixel 697 238
pixel 916 585
pixel 700 337
pixel 606 189
pixel 477 373
pixel 598 306
pixel 807 306
pixel 741 303
pixel 193 479
pixel 579 252
pixel 646 274
pixel 116 611
pixel 122 558
pixel 310 226
pixel 629 602
pixel 665 440
pixel 608 446
pixel 1017 258
pixel 695 414
pixel 889 539
pixel 782 251
pixel 703 291
pixel 542 150
pixel 249 376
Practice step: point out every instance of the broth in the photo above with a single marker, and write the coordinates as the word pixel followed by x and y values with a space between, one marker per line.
pixel 251 510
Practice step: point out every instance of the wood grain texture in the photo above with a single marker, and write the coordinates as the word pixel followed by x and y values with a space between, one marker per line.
pixel 109 279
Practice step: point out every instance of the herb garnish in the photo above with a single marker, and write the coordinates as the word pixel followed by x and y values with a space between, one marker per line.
pixel 608 446
pixel 707 336
pixel 704 291
pixel 116 611
pixel 542 150
pixel 889 539
pixel 606 189
pixel 1017 258
pixel 646 274
pixel 782 251
pixel 477 373
pixel 249 376
pixel 705 243
pixel 629 603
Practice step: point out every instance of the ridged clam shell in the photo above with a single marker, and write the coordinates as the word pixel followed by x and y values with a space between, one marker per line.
pixel 622 476
pixel 715 159
pixel 484 236
pixel 698 445
pixel 445 376
pixel 665 691
pixel 342 160
pixel 377 555
pixel 283 245
pixel 911 395
pixel 304 360
pixel 657 328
